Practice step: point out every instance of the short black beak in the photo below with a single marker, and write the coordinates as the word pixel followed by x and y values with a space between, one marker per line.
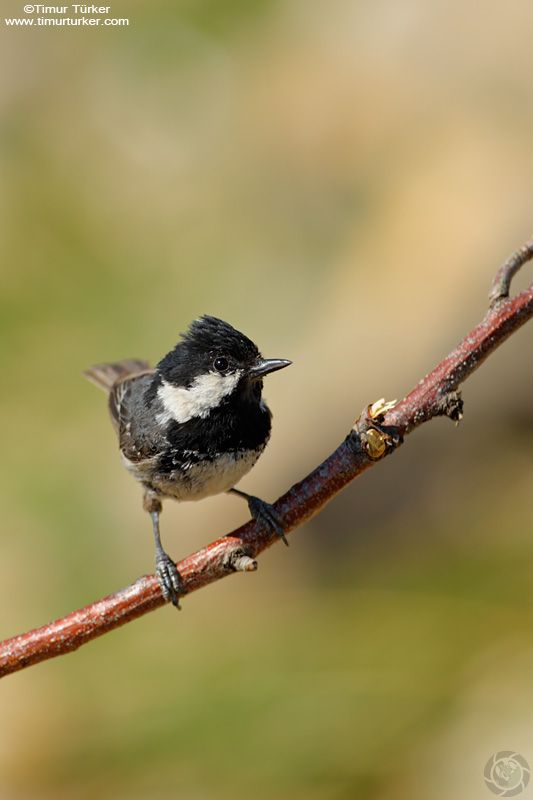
pixel 265 365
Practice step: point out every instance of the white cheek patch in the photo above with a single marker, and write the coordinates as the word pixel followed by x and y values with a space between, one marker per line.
pixel 205 393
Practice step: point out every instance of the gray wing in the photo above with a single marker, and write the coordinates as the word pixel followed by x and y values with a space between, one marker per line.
pixel 131 417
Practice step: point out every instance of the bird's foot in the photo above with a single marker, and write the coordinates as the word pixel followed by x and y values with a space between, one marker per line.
pixel 169 578
pixel 267 515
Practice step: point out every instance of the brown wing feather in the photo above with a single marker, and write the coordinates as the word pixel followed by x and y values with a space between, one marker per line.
pixel 123 380
pixel 122 399
pixel 126 381
pixel 106 375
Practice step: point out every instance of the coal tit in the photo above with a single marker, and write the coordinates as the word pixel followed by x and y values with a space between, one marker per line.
pixel 194 425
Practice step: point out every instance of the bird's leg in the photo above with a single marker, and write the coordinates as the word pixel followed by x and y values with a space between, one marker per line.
pixel 167 574
pixel 263 512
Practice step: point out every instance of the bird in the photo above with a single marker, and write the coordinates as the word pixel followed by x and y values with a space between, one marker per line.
pixel 193 426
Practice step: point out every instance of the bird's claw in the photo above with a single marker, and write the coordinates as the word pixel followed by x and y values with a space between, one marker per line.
pixel 169 578
pixel 266 514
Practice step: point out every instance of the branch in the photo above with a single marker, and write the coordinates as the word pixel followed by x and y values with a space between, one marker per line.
pixel 377 433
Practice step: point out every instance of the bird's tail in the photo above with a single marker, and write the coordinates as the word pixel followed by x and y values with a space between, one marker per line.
pixel 106 375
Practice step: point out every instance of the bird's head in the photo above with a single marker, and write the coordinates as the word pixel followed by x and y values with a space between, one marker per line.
pixel 211 362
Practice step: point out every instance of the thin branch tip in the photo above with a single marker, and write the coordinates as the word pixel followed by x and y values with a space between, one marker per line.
pixel 501 285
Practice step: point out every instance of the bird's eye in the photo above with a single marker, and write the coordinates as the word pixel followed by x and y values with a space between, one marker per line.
pixel 220 364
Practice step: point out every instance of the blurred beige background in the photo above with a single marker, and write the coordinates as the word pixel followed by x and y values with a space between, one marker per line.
pixel 339 180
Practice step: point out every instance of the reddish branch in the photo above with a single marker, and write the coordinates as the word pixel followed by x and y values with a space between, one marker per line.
pixel 372 437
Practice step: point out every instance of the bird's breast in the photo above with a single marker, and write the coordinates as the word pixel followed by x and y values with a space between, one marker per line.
pixel 198 477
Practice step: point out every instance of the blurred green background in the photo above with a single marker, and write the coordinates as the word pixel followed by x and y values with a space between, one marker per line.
pixel 339 180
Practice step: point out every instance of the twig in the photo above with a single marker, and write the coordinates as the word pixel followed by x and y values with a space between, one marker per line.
pixel 378 432
pixel 502 282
